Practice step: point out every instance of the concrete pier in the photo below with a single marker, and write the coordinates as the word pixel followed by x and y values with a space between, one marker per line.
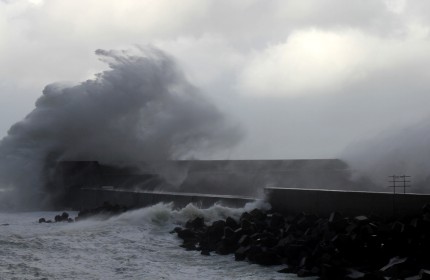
pixel 94 197
pixel 323 202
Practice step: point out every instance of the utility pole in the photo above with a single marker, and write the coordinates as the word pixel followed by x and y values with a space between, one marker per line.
pixel 398 181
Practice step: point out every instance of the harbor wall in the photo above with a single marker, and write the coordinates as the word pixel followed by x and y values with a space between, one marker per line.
pixel 283 200
pixel 323 202
pixel 95 197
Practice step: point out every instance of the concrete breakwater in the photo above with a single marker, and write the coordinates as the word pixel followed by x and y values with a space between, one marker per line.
pixel 282 200
pixel 323 202
pixel 286 184
pixel 94 197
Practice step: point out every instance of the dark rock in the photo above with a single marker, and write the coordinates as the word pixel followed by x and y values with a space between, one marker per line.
pixel 339 247
pixel 224 247
pixel 373 276
pixel 205 253
pixel 247 227
pixel 229 233
pixel 42 220
pixel 176 230
pixel 399 267
pixel 354 274
pixel 288 270
pixel 334 216
pixel 189 245
pixel 216 230
pixel 195 224
pixel 245 216
pixel 277 221
pixel 397 227
pixel 241 253
pixel 361 219
pixel 64 216
pixel 426 209
pixel 415 277
pixel 264 256
pixel 186 234
pixel 231 223
pixel 424 274
pixel 304 273
pixel 330 272
pixel 105 211
pixel 257 215
pixel 244 240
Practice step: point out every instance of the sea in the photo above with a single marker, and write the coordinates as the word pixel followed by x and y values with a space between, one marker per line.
pixel 135 245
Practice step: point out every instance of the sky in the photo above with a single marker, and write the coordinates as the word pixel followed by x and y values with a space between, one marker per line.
pixel 304 79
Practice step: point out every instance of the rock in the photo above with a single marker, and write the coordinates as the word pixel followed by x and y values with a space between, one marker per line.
pixel 216 230
pixel 186 234
pixel 361 219
pixel 229 233
pixel 195 224
pixel 304 273
pixel 224 247
pixel 288 270
pixel 399 267
pixel 334 216
pixel 415 277
pixel 64 216
pixel 231 223
pixel 424 274
pixel 264 256
pixel 337 247
pixel 245 216
pixel 104 211
pixel 241 253
pixel 373 276
pixel 42 220
pixel 257 215
pixel 189 245
pixel 397 227
pixel 426 208
pixel 247 227
pixel 244 240
pixel 205 253
pixel 330 272
pixel 277 221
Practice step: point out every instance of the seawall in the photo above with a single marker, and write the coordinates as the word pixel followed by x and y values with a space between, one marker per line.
pixel 323 202
pixel 285 201
pixel 94 197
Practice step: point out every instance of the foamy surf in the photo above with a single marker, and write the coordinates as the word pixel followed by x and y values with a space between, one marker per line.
pixel 134 245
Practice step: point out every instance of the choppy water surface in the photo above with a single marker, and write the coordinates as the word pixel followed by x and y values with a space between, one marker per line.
pixel 135 245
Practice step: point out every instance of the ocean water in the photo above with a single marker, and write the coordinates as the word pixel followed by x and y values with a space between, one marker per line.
pixel 134 245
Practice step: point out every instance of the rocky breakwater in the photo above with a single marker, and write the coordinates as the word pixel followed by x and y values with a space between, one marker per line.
pixel 103 212
pixel 334 247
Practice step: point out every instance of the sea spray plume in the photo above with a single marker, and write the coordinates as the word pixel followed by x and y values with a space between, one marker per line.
pixel 141 108
pixel 401 151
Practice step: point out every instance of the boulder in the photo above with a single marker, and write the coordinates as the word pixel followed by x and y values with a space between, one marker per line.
pixel 197 223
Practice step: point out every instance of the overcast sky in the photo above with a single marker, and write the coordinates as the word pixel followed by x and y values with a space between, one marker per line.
pixel 304 78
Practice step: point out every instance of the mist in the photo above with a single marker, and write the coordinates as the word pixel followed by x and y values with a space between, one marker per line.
pixel 142 108
pixel 397 151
